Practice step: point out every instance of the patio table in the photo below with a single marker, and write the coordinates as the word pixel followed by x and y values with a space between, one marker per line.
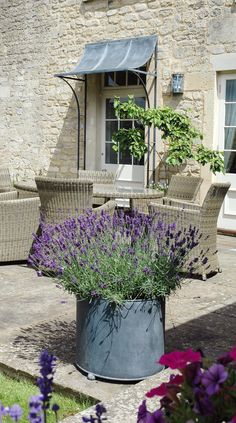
pixel 138 197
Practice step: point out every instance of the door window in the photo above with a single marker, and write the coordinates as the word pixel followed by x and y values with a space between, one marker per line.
pixel 112 124
pixel 230 127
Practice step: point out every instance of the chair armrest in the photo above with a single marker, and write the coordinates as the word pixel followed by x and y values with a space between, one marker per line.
pixel 181 204
pixel 172 214
pixel 11 195
pixel 108 207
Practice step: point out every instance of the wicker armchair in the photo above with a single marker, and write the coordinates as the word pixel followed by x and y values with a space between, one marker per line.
pixel 5 180
pixel 202 217
pixel 19 219
pixel 64 198
pixel 182 188
pixel 98 177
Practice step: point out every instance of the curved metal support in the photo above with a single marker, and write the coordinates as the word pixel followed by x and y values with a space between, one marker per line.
pixel 78 110
pixel 154 129
pixel 144 86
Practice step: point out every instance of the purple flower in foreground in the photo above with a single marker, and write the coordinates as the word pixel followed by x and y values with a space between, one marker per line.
pixel 35 409
pixel 203 404
pixel 3 411
pixel 15 412
pixel 143 413
pixel 47 364
pixel 212 378
pixel 156 417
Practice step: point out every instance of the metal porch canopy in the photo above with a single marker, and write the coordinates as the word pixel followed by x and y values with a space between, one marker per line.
pixel 114 55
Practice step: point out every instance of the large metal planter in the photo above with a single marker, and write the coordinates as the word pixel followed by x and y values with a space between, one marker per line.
pixel 120 343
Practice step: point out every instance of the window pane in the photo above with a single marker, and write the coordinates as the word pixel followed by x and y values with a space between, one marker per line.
pixel 121 78
pixel 111 155
pixel 126 124
pixel 230 162
pixel 140 101
pixel 230 138
pixel 110 112
pixel 230 114
pixel 111 127
pixel 230 90
pixel 109 79
pixel 125 157
pixel 132 79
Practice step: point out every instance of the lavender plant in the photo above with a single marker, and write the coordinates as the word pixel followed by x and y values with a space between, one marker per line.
pixel 122 258
pixel 38 404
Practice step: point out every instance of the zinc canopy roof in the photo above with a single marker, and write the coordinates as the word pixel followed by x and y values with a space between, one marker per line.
pixel 114 55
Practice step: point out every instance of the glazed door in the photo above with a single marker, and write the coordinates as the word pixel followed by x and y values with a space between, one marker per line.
pixel 129 171
pixel 227 144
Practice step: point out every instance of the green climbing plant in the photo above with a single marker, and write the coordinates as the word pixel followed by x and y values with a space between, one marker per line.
pixel 183 140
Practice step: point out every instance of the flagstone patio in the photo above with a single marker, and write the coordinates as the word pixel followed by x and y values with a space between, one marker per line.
pixel 35 314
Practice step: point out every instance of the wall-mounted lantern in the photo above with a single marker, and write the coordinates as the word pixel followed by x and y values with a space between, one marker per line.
pixel 177 83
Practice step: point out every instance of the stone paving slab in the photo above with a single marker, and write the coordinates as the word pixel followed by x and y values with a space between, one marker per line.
pixel 34 314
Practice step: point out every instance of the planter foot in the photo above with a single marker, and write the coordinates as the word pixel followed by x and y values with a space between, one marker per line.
pixel 91 376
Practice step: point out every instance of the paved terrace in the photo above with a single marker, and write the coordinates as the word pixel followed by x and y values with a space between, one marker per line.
pixel 35 314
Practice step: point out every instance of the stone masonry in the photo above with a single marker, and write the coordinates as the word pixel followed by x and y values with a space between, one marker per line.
pixel 39 38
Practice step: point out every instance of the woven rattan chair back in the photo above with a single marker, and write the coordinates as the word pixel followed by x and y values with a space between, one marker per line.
pixel 63 198
pixel 96 176
pixel 214 199
pixel 204 218
pixel 19 219
pixel 5 180
pixel 183 188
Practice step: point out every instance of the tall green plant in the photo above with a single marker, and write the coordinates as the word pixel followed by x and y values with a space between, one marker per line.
pixel 181 137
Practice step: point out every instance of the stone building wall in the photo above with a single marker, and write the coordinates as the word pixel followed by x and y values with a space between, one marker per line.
pixel 38 126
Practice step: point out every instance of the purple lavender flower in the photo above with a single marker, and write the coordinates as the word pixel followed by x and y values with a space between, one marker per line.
pixel 213 377
pixel 100 410
pixel 47 364
pixel 15 412
pixel 35 409
pixel 55 408
pixel 3 411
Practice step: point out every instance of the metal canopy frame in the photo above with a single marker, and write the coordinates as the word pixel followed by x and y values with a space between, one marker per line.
pixel 137 72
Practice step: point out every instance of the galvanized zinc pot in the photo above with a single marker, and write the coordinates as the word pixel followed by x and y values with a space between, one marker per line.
pixel 120 342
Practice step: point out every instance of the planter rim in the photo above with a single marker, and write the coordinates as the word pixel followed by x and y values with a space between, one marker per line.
pixel 125 301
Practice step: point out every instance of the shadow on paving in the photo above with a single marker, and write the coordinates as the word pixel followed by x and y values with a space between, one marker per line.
pixel 214 333
pixel 56 336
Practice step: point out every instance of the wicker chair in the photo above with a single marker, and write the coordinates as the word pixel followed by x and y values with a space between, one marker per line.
pixel 5 180
pixel 19 219
pixel 182 188
pixel 203 218
pixel 64 198
pixel 98 177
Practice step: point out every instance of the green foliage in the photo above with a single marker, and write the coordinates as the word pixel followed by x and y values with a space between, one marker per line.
pixel 14 391
pixel 133 139
pixel 177 131
pixel 216 159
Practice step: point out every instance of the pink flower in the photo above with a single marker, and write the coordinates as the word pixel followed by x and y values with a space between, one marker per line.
pixel 180 359
pixel 159 391
pixel 176 379
pixel 232 353
pixel 233 420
